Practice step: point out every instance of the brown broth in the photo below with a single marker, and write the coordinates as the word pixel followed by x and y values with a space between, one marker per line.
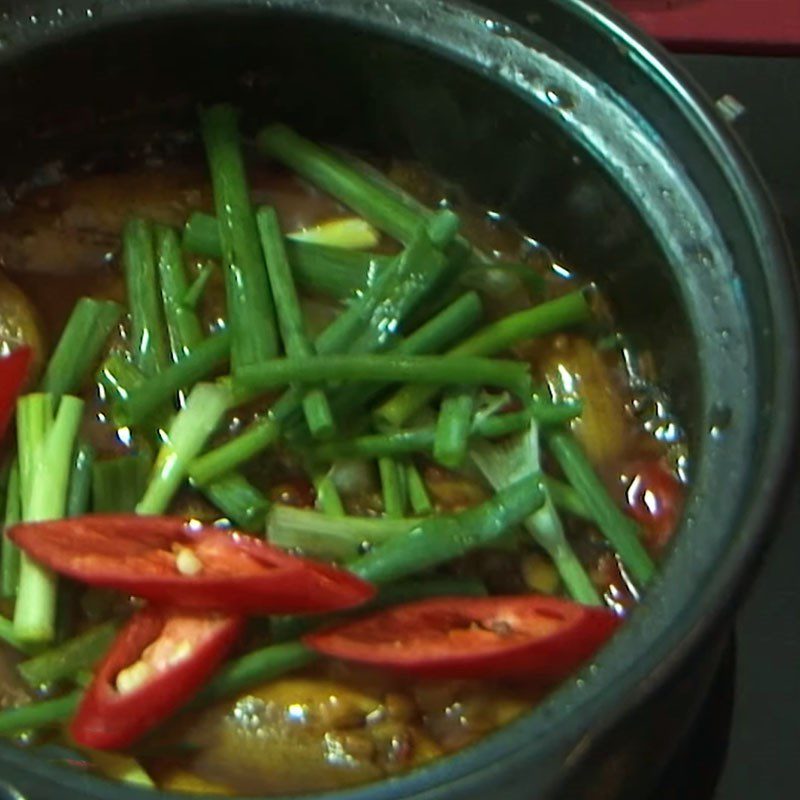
pixel 333 725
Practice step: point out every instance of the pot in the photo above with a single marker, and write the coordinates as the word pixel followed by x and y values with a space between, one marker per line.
pixel 587 135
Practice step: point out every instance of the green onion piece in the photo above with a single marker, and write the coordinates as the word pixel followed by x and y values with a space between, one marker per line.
pixel 239 501
pixel 454 427
pixel 621 531
pixel 326 536
pixel 365 190
pixel 250 309
pixel 290 318
pixel 8 635
pixel 78 502
pixel 421 269
pixel 319 268
pixel 254 668
pixel 68 659
pixel 255 439
pixel 198 286
pixel 374 322
pixel 5 472
pixel 506 461
pixel 201 235
pixel 80 480
pixel 571 309
pixel 188 433
pixel 418 495
pixel 141 277
pixel 119 483
pixel 449 325
pixel 39 715
pixel 393 487
pixel 119 377
pixel 566 498
pixel 34 418
pixel 436 540
pixel 387 210
pixel 80 346
pixel 549 414
pixel 183 326
pixel 328 499
pixel 417 440
pixel 44 481
pixel 503 277
pixel 377 313
pixel 349 233
pixel 511 375
pixel 143 400
pixel 9 572
pixel 341 274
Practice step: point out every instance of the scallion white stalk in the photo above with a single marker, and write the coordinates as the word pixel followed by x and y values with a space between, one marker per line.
pixel 187 435
pixel 45 448
pixel 507 461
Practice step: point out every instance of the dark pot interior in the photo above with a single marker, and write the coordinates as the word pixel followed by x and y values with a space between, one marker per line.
pixel 587 140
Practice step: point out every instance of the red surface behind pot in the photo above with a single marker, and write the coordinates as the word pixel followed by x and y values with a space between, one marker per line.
pixel 734 26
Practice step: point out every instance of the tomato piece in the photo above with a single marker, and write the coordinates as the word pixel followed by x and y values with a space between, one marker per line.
pixel 536 637
pixel 14 369
pixel 155 665
pixel 654 498
pixel 171 561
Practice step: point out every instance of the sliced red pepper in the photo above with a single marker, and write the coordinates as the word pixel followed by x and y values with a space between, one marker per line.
pixel 654 498
pixel 14 369
pixel 171 561
pixel 536 637
pixel 155 665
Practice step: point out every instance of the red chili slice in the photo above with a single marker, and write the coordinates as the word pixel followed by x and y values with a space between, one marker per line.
pixel 171 561
pixel 157 662
pixel 13 374
pixel 654 498
pixel 540 638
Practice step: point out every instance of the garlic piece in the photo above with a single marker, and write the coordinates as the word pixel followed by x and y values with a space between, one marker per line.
pixel 187 563
pixel 132 677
